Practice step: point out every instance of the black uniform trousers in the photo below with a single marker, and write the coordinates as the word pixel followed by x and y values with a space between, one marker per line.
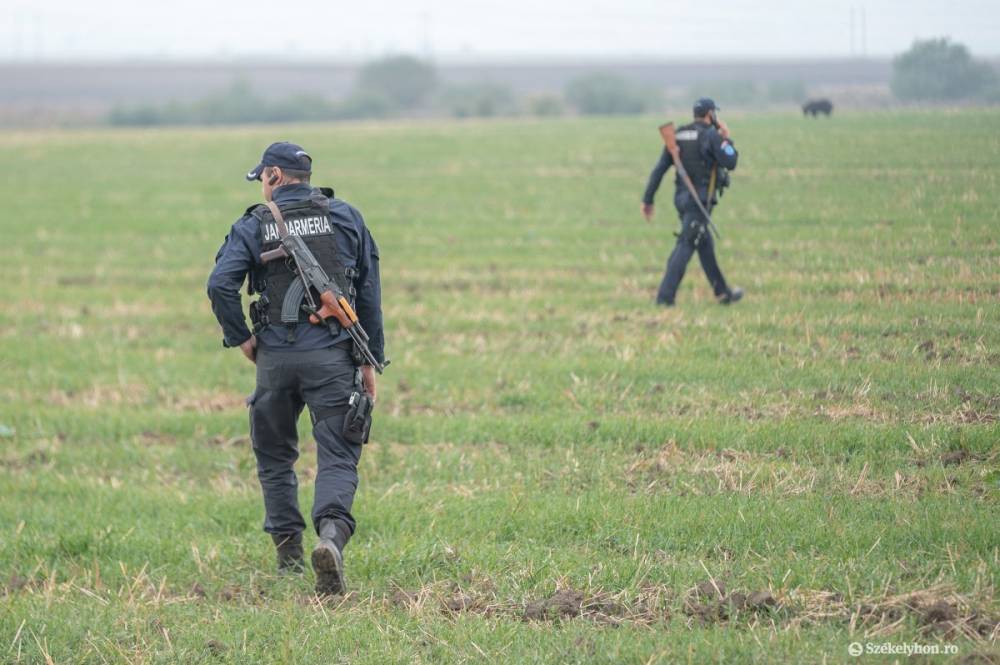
pixel 323 380
pixel 694 236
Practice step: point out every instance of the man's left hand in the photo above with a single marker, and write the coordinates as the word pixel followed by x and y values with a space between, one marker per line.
pixel 249 349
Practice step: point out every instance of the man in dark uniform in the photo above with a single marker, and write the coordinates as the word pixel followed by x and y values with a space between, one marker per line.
pixel 300 364
pixel 707 153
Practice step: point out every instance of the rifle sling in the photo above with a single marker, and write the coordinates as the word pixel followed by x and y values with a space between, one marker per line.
pixel 279 219
pixel 676 154
pixel 691 188
pixel 298 291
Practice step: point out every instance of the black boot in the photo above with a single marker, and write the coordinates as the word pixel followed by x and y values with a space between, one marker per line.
pixel 289 548
pixel 327 560
pixel 731 296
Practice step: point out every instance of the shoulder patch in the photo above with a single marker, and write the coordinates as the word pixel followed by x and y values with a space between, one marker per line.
pixel 728 148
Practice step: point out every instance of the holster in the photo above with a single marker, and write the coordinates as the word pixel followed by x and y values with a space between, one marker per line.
pixel 358 420
pixel 692 233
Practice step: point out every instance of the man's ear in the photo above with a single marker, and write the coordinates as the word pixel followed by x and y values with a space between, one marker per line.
pixel 274 176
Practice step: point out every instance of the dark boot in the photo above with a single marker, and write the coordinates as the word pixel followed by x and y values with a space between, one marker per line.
pixel 327 560
pixel 289 548
pixel 731 296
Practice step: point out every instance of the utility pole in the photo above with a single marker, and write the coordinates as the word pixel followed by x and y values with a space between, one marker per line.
pixel 425 29
pixel 852 31
pixel 864 31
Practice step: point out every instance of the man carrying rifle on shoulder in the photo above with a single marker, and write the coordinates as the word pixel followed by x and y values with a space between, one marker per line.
pixel 317 341
pixel 706 154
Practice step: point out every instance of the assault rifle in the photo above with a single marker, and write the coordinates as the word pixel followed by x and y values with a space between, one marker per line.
pixel 670 140
pixel 333 303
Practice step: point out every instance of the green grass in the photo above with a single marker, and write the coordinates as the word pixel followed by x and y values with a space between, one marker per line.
pixel 833 439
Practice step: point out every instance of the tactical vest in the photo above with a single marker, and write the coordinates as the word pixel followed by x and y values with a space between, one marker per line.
pixel 280 289
pixel 689 138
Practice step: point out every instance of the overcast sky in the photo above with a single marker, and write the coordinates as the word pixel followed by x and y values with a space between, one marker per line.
pixel 452 29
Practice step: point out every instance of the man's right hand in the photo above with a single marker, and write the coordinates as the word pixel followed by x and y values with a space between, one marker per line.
pixel 368 378
pixel 249 349
pixel 723 129
pixel 647 211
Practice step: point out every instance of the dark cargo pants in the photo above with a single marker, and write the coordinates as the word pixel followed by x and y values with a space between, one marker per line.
pixel 692 222
pixel 287 381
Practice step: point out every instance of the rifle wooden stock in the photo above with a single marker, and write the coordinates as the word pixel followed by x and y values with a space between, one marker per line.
pixel 337 307
pixel 331 307
pixel 274 255
pixel 670 140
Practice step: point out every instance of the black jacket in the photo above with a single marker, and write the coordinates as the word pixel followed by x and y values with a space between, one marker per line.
pixel 713 149
pixel 240 255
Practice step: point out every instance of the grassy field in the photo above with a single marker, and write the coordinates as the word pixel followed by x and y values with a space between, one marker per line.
pixel 560 472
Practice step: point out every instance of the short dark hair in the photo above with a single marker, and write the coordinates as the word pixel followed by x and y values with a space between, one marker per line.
pixel 301 176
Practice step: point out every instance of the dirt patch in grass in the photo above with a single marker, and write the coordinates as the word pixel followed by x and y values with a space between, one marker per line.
pixel 15 583
pixel 718 472
pixel 955 457
pixel 31 459
pixel 709 602
pixel 450 599
pixel 460 602
pixel 859 410
pixel 96 397
pixel 952 458
pixel 936 611
pixel 215 648
pixel 967 414
pixel 563 604
pixel 208 403
pixel 223 441
pixel 156 437
pixel 235 593
pixel 646 607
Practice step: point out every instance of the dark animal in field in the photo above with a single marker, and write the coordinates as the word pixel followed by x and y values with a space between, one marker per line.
pixel 816 106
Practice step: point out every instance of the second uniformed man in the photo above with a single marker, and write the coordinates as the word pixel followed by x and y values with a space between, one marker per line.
pixel 705 149
pixel 300 364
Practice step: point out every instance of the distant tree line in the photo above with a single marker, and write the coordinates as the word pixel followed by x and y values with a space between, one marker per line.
pixel 403 85
pixel 939 70
pixel 384 87
pixel 237 105
pixel 931 70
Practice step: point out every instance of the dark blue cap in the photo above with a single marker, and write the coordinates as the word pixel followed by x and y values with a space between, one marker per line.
pixel 284 155
pixel 703 106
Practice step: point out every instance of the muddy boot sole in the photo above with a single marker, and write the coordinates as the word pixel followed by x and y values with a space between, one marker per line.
pixel 328 565
pixel 735 295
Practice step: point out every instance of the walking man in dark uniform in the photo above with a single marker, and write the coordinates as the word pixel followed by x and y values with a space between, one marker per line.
pixel 707 153
pixel 300 364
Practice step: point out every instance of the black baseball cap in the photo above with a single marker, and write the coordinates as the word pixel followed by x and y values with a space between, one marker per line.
pixel 703 106
pixel 284 155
